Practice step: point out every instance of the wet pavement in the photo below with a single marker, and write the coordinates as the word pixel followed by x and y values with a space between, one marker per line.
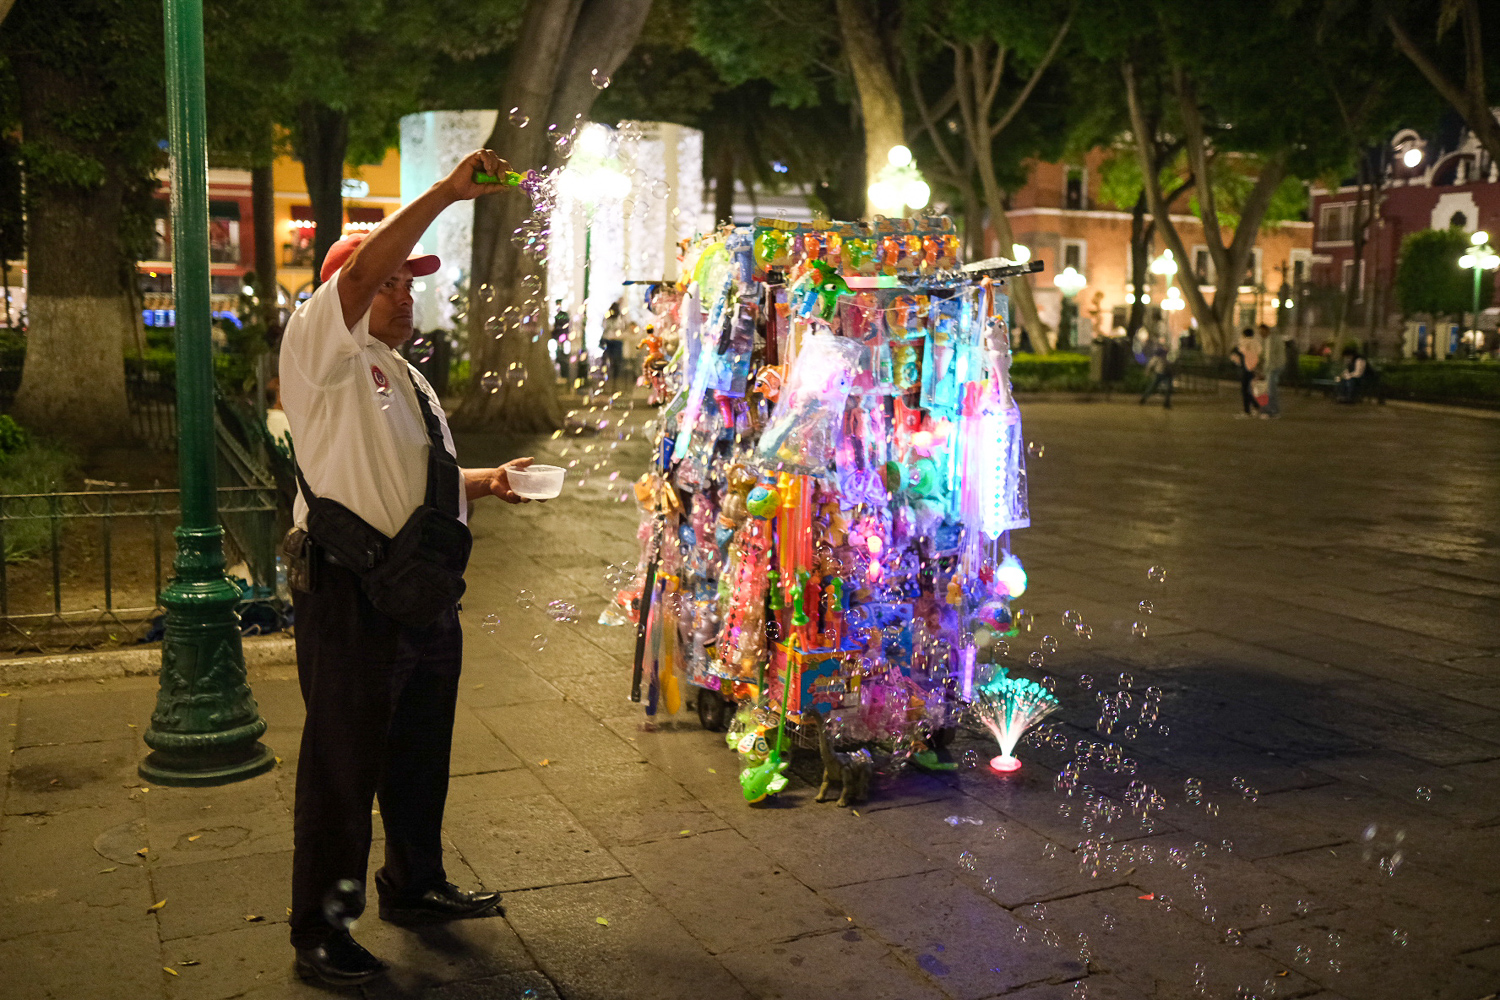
pixel 1325 642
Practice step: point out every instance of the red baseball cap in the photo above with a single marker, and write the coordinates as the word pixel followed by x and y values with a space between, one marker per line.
pixel 420 263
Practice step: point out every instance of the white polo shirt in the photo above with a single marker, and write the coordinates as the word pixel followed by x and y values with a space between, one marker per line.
pixel 356 427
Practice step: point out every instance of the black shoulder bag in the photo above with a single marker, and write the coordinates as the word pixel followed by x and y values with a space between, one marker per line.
pixel 419 574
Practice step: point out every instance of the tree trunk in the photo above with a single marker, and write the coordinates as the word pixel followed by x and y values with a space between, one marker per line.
pixel 322 142
pixel 73 382
pixel 552 81
pixel 1019 288
pixel 263 216
pixel 879 103
pixel 724 186
pixel 1141 231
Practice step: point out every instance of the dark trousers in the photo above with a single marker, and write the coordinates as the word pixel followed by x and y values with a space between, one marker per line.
pixel 380 699
pixel 1246 396
pixel 1162 382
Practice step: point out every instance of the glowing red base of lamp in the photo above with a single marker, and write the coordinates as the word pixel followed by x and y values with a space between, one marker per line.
pixel 1005 764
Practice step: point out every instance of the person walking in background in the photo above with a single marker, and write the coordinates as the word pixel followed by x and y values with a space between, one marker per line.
pixel 1246 354
pixel 561 324
pixel 1159 371
pixel 612 341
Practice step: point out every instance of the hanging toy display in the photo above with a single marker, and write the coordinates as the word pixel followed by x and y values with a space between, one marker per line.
pixel 838 464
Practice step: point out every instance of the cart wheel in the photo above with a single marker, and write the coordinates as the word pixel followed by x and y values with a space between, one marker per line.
pixel 712 710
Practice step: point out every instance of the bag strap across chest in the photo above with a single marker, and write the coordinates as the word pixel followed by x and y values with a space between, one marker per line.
pixel 443 476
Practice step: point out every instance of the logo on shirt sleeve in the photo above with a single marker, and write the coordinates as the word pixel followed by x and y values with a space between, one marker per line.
pixel 381 382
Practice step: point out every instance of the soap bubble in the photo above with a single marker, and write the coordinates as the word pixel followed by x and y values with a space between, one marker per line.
pixel 518 119
pixel 1020 934
pixel 490 624
pixel 1084 632
pixel 1424 794
pixel 1138 630
pixel 344 903
pixel 1085 681
pixel 1036 659
pixel 1072 619
pixel 1398 937
pixel 1147 607
pixel 1048 644
pixel 1157 574
pixel 967 860
pixel 1035 450
pixel 562 611
pixel 525 599
pixel 599 78
pixel 538 643
pixel 1126 681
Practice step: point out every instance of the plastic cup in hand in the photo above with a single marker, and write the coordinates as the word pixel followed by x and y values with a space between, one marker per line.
pixel 537 482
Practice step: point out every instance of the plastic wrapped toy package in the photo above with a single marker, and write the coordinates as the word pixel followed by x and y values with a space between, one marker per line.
pixel 826 521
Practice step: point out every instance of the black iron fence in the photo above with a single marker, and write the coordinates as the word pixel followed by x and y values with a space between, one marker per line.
pixel 105 558
pixel 98 559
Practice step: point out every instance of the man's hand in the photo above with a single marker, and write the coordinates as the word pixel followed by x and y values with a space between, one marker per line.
pixel 460 183
pixel 495 482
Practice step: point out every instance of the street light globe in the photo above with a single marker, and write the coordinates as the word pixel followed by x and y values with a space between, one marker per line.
pixel 899 156
pixel 1070 282
pixel 1480 238
pixel 1411 157
pixel 594 139
pixel 916 193
pixel 886 196
pixel 1165 264
pixel 1489 261
pixel 1467 260
pixel 1020 253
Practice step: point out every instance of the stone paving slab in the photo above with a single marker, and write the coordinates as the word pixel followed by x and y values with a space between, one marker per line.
pixel 1325 634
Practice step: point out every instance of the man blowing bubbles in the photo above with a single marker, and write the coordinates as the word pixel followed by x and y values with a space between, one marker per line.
pixel 377 558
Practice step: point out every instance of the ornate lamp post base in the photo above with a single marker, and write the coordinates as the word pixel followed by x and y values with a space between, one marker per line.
pixel 206 728
pixel 163 767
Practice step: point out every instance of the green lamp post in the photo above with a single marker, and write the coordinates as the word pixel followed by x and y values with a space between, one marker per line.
pixel 1481 257
pixel 206 728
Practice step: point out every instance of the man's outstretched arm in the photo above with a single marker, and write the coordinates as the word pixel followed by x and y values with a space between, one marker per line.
pixel 391 242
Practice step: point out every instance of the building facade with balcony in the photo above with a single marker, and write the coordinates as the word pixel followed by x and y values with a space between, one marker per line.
pixel 371 192
pixel 1439 183
pixel 1061 218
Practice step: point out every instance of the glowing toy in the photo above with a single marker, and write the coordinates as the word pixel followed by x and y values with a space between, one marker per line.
pixel 1008 706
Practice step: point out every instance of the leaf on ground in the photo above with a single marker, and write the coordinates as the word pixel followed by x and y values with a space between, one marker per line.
pixel 601 921
pixel 683 833
pixel 544 762
pixel 168 968
pixel 4 694
pixel 156 906
pixel 289 911
pixel 194 837
pixel 142 852
pixel 478 686
pixel 713 770
pixel 106 871
pixel 188 961
pixel 253 918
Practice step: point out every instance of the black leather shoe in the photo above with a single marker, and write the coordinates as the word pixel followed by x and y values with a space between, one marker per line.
pixel 338 961
pixel 446 902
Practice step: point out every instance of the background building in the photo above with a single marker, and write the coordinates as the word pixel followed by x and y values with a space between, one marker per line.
pixel 1061 218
